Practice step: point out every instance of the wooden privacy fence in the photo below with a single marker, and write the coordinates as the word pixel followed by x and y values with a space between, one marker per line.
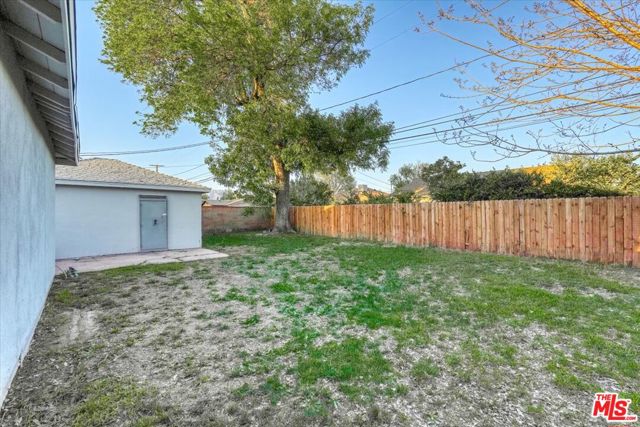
pixel 598 229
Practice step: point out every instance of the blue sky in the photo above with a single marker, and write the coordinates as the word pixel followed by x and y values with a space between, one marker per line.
pixel 107 106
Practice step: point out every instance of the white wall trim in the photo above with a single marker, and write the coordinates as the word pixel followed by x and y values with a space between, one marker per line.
pixel 73 182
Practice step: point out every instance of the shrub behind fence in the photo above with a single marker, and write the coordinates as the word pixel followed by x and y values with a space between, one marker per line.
pixel 598 229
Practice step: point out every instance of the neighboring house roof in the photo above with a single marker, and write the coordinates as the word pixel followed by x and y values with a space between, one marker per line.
pixel 115 173
pixel 44 35
pixel 235 203
pixel 363 188
pixel 418 188
pixel 416 185
pixel 364 192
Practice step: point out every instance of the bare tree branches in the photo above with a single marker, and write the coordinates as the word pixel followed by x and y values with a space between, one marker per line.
pixel 574 65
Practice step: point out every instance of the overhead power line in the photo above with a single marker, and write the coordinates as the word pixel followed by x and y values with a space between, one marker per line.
pixel 371 184
pixel 514 118
pixel 204 180
pixel 417 79
pixel 374 178
pixel 390 39
pixel 207 173
pixel 392 12
pixel 452 118
pixel 433 140
pixel 475 131
pixel 445 70
pixel 398 130
pixel 183 166
pixel 492 108
pixel 189 170
pixel 156 150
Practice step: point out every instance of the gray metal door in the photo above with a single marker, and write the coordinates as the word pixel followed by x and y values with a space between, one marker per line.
pixel 153 223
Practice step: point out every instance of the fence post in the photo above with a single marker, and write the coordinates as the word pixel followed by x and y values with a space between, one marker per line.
pixel 589 229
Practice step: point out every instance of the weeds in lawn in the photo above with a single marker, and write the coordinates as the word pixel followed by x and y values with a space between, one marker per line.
pixel 274 389
pixel 155 269
pixel 251 321
pixel 453 291
pixel 301 330
pixel 424 368
pixel 65 296
pixel 352 358
pixel 267 244
pixel 110 399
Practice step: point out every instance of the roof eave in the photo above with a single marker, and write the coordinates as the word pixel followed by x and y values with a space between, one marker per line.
pixel 127 185
pixel 47 56
pixel 69 28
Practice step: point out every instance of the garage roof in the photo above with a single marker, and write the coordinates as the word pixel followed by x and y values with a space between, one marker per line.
pixel 44 38
pixel 100 172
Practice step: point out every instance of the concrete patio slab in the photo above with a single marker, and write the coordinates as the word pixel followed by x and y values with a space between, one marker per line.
pixel 106 262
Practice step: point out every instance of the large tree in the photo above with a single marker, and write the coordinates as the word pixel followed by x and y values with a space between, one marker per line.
pixel 241 70
pixel 311 142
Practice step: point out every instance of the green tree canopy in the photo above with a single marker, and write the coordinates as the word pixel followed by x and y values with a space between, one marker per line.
pixel 341 184
pixel 306 190
pixel 242 70
pixel 316 142
pixel 615 173
pixel 447 184
pixel 508 185
pixel 406 174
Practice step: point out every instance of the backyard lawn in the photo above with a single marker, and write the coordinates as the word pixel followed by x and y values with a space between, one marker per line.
pixel 294 330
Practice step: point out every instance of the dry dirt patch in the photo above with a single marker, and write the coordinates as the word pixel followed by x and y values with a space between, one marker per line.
pixel 322 335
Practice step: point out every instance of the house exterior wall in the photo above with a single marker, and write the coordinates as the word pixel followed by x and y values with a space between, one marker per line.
pixel 94 221
pixel 27 191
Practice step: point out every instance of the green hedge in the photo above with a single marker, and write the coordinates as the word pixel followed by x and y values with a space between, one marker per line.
pixel 507 185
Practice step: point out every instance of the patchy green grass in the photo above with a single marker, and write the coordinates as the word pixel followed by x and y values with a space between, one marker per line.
pixel 152 269
pixel 420 297
pixel 110 399
pixel 283 287
pixel 298 330
pixel 267 244
pixel 274 389
pixel 251 321
pixel 65 297
pixel 346 360
pixel 424 368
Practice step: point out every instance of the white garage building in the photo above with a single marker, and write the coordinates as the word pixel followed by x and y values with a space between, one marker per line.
pixel 106 206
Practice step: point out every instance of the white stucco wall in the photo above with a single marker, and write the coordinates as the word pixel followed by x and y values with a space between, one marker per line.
pixel 27 245
pixel 101 221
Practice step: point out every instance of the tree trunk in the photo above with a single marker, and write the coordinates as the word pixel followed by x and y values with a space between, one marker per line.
pixel 282 224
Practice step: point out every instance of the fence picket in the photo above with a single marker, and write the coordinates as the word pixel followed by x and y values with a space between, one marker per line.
pixel 590 229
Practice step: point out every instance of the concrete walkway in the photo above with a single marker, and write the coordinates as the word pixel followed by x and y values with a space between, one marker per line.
pixel 106 262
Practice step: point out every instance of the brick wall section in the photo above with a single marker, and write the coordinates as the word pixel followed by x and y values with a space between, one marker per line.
pixel 225 219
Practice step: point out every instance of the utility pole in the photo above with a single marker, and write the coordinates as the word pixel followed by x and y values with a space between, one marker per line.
pixel 157 166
